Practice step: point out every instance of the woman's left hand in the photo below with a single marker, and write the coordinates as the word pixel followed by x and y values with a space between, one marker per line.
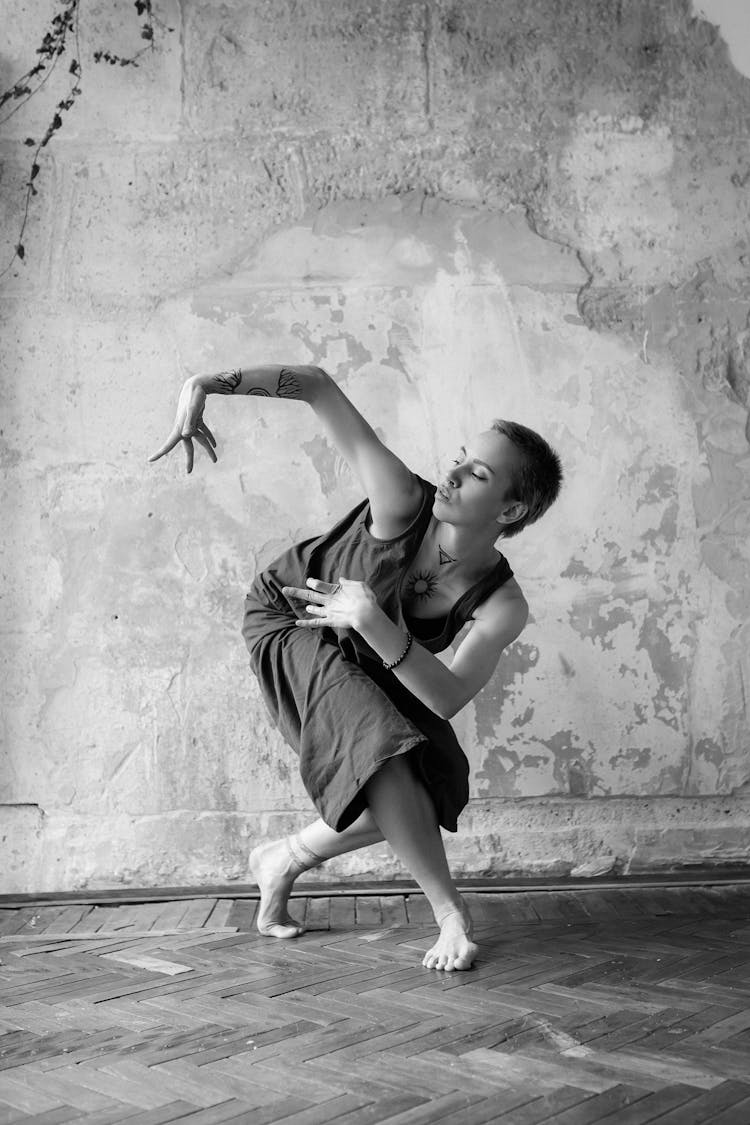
pixel 342 605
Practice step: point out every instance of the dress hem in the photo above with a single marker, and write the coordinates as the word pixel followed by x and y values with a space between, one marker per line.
pixel 404 748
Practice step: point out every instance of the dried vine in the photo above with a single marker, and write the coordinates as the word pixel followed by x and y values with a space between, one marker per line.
pixel 63 28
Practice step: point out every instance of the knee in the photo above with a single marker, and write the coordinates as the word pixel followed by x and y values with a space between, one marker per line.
pixel 396 770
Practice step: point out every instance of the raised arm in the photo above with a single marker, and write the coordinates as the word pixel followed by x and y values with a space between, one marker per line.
pixel 393 489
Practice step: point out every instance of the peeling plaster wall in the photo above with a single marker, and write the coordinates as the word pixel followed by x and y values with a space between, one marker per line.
pixel 732 17
pixel 536 211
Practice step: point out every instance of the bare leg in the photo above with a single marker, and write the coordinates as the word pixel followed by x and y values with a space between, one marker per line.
pixel 403 810
pixel 277 864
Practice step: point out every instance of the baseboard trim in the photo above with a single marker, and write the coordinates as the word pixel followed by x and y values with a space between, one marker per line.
pixel 703 877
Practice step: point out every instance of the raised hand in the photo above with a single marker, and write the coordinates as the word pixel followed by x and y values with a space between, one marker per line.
pixel 345 604
pixel 189 425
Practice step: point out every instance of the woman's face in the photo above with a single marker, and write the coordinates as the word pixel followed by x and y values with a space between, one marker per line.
pixel 477 483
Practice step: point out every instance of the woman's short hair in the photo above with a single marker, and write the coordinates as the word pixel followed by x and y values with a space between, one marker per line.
pixel 537 482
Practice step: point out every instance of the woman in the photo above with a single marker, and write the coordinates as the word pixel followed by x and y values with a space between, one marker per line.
pixel 342 630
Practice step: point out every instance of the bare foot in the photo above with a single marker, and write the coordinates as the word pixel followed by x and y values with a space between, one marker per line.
pixel 454 949
pixel 274 871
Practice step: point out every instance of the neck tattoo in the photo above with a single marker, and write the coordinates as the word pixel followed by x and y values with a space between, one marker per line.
pixel 444 556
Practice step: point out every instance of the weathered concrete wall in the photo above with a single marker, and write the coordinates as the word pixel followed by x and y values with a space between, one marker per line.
pixel 536 211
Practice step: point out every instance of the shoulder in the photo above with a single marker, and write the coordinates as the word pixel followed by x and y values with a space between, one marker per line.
pixel 505 611
pixel 406 504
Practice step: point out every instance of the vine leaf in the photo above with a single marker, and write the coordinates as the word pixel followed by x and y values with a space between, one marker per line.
pixel 53 46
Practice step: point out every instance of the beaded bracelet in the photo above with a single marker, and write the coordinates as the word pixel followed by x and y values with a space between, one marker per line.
pixel 395 663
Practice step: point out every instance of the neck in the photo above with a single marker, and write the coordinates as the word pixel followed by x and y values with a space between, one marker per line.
pixel 471 547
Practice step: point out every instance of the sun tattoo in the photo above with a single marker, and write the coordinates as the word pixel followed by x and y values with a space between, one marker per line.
pixel 422 584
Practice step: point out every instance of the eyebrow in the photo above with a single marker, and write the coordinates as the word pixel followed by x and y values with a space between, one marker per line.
pixel 478 462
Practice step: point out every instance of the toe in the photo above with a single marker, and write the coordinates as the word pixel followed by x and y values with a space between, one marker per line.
pixel 430 958
pixel 466 960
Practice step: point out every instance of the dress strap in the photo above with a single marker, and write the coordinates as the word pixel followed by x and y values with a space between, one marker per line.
pixel 468 602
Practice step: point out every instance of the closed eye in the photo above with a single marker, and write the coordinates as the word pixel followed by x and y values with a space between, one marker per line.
pixel 458 461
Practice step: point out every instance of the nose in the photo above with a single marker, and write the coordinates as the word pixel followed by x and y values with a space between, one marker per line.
pixel 450 479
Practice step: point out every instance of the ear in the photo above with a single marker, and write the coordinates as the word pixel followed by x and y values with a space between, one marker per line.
pixel 512 512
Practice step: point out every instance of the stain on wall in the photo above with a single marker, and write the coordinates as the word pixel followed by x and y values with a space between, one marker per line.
pixel 533 211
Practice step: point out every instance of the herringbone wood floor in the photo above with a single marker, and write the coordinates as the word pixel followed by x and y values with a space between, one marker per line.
pixel 621 1006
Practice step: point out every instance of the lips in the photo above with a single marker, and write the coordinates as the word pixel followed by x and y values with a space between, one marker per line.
pixel 443 493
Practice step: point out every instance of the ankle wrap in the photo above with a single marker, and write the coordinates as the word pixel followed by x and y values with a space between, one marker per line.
pixel 445 913
pixel 304 857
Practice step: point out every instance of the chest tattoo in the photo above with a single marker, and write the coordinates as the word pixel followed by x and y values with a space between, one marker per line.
pixel 421 585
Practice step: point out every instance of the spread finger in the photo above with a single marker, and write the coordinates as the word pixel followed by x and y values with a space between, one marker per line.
pixel 301 595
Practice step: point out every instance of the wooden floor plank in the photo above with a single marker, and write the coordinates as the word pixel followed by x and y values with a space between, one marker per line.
pixel 615 1101
pixel 317 914
pixel 544 1108
pixel 585 1006
pixel 738 1114
pixel 651 1107
pixel 220 912
pixel 19 921
pixel 418 910
pixel 163 1115
pixel 67 918
pixel 243 912
pixel 341 913
pixel 199 910
pixel 166 916
pixel 53 1116
pixel 231 1110
pixel 367 911
pixel 519 908
pixel 701 1110
pixel 487 1110
pixel 23 1097
pixel 393 910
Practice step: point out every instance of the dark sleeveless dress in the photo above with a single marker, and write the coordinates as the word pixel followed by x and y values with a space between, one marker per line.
pixel 327 691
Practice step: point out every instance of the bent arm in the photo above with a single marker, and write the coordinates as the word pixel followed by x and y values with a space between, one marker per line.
pixel 445 690
pixel 392 488
pixel 271 381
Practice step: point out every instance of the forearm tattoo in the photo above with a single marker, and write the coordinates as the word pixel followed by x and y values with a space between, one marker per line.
pixel 229 381
pixel 289 385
